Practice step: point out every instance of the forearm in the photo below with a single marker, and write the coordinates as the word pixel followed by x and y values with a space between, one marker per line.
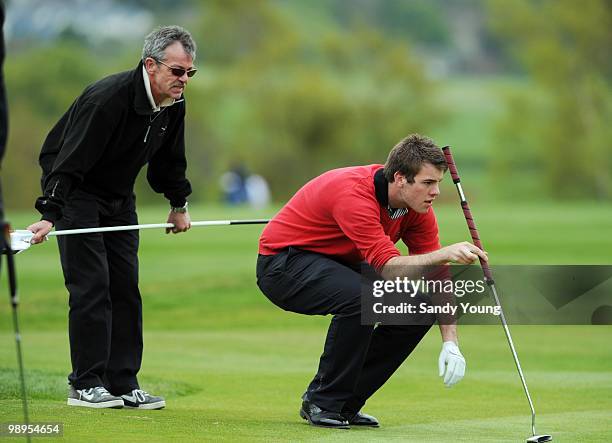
pixel 166 175
pixel 411 265
pixel 449 332
pixel 414 265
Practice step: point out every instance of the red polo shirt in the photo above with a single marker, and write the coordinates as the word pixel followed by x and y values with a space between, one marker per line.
pixel 338 214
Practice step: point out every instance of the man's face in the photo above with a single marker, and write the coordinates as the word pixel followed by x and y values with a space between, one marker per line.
pixel 164 83
pixel 420 195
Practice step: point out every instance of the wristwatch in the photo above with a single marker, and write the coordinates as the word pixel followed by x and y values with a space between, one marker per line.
pixel 179 209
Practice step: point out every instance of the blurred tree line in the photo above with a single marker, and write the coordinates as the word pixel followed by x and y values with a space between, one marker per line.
pixel 291 105
pixel 558 129
pixel 292 88
pixel 286 103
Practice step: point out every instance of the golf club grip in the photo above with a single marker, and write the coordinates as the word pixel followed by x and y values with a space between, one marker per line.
pixel 452 167
pixel 10 264
pixel 450 161
pixel 476 240
pixel 261 221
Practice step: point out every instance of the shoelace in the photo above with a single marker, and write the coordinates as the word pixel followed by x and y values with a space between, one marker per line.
pixel 140 395
pixel 100 390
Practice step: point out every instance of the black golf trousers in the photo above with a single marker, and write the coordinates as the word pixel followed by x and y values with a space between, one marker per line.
pixel 357 359
pixel 101 275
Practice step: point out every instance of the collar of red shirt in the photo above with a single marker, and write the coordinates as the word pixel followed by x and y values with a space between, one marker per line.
pixel 381 188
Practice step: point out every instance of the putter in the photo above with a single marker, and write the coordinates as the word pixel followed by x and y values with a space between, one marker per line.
pixel 491 283
pixel 14 300
pixel 20 239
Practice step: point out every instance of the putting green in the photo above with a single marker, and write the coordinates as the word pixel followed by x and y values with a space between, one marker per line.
pixel 245 386
pixel 233 366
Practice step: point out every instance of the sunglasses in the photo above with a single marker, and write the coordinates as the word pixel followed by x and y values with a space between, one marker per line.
pixel 179 72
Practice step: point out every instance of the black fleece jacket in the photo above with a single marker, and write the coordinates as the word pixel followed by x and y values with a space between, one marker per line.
pixel 105 138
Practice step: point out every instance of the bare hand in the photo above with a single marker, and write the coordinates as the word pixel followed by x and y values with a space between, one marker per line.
pixel 40 230
pixel 181 222
pixel 464 253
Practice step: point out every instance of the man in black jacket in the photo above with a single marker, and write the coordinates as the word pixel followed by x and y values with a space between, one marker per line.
pixel 90 161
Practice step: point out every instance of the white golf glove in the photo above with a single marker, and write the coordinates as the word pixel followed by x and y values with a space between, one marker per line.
pixel 20 240
pixel 454 363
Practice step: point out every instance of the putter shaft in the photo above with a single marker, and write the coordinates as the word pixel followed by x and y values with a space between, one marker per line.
pixel 488 275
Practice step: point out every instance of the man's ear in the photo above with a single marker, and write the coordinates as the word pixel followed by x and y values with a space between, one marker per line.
pixel 399 178
pixel 150 65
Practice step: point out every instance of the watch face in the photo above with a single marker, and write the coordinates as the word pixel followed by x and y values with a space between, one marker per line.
pixel 180 209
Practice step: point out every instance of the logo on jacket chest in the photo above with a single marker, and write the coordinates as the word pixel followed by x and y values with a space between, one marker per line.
pixel 157 124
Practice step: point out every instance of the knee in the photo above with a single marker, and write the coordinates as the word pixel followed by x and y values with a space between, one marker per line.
pixel 349 307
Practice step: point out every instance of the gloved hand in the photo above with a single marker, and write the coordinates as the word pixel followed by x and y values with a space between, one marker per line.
pixel 20 240
pixel 454 363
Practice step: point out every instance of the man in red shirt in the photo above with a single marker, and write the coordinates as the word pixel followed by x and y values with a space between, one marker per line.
pixel 309 259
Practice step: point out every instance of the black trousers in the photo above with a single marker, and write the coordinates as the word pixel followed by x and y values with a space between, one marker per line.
pixel 101 275
pixel 357 359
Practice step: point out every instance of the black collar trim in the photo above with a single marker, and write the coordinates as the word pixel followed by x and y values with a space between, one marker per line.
pixel 381 189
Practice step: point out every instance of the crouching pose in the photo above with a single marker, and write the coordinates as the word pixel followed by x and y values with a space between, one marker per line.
pixel 309 262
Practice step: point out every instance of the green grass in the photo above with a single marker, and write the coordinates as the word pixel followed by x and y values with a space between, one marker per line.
pixel 233 366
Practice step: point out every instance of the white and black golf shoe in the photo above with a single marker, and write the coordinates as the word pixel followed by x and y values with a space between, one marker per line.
pixel 139 399
pixel 97 397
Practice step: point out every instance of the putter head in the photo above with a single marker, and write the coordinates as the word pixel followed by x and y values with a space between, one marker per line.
pixel 539 438
pixel 20 240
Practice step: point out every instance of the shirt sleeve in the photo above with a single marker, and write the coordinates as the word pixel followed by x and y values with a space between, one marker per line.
pixel 166 171
pixel 359 219
pixel 420 233
pixel 85 141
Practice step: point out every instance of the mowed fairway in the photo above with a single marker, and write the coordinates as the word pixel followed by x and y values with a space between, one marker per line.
pixel 233 366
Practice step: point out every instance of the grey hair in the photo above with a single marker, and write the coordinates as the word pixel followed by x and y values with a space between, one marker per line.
pixel 159 39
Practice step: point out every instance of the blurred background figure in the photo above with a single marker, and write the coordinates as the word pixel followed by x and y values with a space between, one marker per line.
pixel 233 184
pixel 258 192
pixel 241 187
